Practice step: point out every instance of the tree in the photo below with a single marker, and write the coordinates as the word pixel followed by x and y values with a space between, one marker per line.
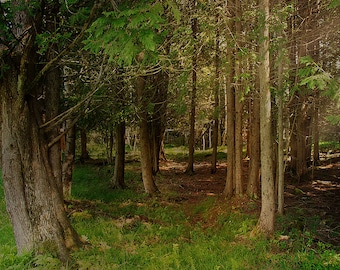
pixel 31 169
pixel 254 143
pixel 216 96
pixel 134 37
pixel 238 103
pixel 194 29
pixel 266 220
pixel 230 115
pixel 69 157
pixel 118 177
pixel 159 87
pixel 234 184
pixel 145 140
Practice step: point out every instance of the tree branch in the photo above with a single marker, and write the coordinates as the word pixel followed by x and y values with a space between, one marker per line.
pixel 50 64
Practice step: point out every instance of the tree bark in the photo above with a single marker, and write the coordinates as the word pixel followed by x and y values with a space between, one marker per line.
pixel 254 149
pixel 83 144
pixel 230 116
pixel 238 107
pixel 159 88
pixel 190 166
pixel 267 216
pixel 216 99
pixel 280 147
pixel 68 163
pixel 32 182
pixel 110 145
pixel 316 133
pixel 145 141
pixel 118 176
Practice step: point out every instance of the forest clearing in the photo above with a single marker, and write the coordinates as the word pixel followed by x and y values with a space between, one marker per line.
pixel 190 224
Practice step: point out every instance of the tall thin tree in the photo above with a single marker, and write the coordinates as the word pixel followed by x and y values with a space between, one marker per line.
pixel 267 216
pixel 194 29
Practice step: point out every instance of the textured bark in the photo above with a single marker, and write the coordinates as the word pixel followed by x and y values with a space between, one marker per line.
pixel 190 166
pixel 69 156
pixel 83 144
pixel 254 148
pixel 118 176
pixel 316 133
pixel 280 147
pixel 267 216
pixel 50 95
pixel 110 146
pixel 215 130
pixel 230 125
pixel 159 88
pixel 145 140
pixel 300 131
pixel 238 108
pixel 31 169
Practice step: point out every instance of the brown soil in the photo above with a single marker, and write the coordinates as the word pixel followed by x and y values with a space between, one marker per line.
pixel 314 203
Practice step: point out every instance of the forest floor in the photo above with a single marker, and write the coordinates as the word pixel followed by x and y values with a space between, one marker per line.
pixel 313 203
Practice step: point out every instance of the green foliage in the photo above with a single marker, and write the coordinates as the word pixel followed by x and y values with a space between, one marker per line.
pixel 334 4
pixel 326 146
pixel 133 34
pixel 314 77
pixel 333 119
pixel 46 39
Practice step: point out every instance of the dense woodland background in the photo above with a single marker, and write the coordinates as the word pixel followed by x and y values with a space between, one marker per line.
pixel 94 80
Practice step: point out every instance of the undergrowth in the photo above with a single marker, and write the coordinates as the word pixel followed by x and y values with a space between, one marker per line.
pixel 127 230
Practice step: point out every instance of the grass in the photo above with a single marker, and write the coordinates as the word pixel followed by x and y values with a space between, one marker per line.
pixel 126 229
pixel 181 153
pixel 326 146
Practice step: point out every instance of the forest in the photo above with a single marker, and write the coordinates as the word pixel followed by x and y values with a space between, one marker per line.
pixel 170 134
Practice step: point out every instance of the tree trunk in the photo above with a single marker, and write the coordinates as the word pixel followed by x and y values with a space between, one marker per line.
pixel 83 143
pixel 155 146
pixel 230 116
pixel 266 220
pixel 118 176
pixel 32 184
pixel 238 108
pixel 145 141
pixel 316 133
pixel 254 149
pixel 159 88
pixel 280 147
pixel 111 145
pixel 68 164
pixel 300 131
pixel 216 99
pixel 190 167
